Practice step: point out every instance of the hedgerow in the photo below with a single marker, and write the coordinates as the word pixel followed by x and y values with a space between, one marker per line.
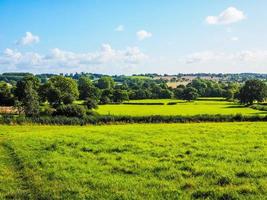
pixel 112 119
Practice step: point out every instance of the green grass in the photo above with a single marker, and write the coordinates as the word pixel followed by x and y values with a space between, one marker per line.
pixel 181 108
pixel 140 77
pixel 138 161
pixel 165 101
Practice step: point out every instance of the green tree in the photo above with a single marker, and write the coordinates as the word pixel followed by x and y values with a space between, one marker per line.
pixel 62 90
pixel 106 96
pixel 91 104
pixel 20 91
pixel 87 89
pixel 6 96
pixel 190 94
pixel 105 82
pixel 253 90
pixel 178 91
pixel 30 101
pixel 120 95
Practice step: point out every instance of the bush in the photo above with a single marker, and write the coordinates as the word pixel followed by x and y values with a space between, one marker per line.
pixel 47 111
pixel 70 110
pixel 259 107
pixel 91 104
pixel 172 103
pixel 68 99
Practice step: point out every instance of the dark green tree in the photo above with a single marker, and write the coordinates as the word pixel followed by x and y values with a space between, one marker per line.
pixel 105 82
pixel 190 94
pixel 87 89
pixel 253 90
pixel 91 104
pixel 120 96
pixel 20 91
pixel 62 90
pixel 6 96
pixel 30 101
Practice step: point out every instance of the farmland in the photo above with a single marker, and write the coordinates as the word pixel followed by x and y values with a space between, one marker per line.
pixel 204 106
pixel 207 160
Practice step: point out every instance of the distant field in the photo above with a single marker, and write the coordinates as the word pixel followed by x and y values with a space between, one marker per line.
pixel 160 161
pixel 204 106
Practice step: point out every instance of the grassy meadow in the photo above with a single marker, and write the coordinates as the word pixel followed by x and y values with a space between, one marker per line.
pixel 210 106
pixel 137 161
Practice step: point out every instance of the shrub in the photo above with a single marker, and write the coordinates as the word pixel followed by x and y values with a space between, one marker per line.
pixel 259 107
pixel 91 104
pixel 70 110
pixel 47 111
pixel 172 103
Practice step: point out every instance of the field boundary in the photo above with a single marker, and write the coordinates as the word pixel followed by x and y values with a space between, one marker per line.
pixel 115 119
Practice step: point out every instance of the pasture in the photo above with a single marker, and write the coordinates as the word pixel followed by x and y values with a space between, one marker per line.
pixel 138 161
pixel 203 106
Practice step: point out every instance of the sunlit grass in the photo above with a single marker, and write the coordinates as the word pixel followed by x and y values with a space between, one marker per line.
pixel 207 106
pixel 139 161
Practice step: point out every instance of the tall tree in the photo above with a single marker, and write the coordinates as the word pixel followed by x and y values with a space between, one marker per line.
pixel 253 90
pixel 87 89
pixel 62 90
pixel 20 91
pixel 30 101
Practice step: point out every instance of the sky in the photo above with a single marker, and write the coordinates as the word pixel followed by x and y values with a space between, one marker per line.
pixel 133 36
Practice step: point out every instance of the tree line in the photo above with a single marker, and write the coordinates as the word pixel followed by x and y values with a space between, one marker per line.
pixel 57 95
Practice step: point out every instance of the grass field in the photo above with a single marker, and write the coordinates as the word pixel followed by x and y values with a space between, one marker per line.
pixel 138 161
pixel 212 106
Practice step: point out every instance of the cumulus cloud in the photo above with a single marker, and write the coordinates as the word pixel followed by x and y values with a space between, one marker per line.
pixel 142 34
pixel 69 60
pixel 28 39
pixel 119 28
pixel 253 56
pixel 228 16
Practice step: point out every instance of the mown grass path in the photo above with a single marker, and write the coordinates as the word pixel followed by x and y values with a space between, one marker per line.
pixel 15 183
pixel 11 183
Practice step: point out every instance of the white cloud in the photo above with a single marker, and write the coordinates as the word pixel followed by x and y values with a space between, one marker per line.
pixel 142 34
pixel 106 56
pixel 252 56
pixel 235 38
pixel 200 57
pixel 28 39
pixel 228 16
pixel 119 28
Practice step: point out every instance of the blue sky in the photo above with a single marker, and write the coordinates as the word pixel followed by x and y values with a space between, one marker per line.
pixel 133 36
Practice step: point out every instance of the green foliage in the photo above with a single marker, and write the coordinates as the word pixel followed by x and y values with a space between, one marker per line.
pixel 62 90
pixel 253 90
pixel 87 89
pixel 6 96
pixel 105 82
pixel 30 102
pixel 106 96
pixel 120 95
pixel 138 161
pixel 70 110
pixel 20 91
pixel 91 104
pixel 190 93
